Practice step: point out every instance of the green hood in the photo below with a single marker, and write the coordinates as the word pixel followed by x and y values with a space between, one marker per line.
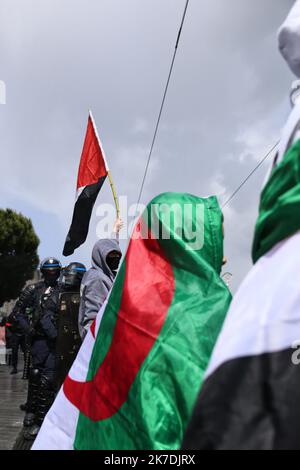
pixel 206 223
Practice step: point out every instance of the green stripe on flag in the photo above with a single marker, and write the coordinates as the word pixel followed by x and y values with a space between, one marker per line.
pixel 279 204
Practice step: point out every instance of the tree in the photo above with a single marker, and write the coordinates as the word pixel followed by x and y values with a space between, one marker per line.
pixel 18 253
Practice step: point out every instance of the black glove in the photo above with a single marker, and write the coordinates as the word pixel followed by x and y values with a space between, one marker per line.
pixel 30 333
pixel 3 321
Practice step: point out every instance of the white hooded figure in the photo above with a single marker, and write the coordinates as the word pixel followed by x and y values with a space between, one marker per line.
pixel 289 39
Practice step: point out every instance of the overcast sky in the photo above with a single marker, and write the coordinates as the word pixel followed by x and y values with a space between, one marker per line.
pixel 227 102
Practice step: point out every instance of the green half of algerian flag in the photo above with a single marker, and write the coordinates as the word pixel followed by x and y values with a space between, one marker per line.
pixel 157 332
pixel 279 205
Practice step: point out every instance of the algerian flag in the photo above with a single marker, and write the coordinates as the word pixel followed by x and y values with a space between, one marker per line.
pixel 137 375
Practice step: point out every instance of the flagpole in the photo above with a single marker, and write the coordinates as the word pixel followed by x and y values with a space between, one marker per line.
pixel 107 168
pixel 114 193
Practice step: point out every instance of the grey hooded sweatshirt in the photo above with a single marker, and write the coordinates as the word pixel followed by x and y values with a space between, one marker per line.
pixel 96 284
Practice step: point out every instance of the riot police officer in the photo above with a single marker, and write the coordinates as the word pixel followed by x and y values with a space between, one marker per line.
pixel 42 299
pixel 68 338
pixel 72 277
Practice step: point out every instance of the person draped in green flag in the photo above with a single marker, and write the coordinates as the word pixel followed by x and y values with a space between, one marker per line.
pixel 138 373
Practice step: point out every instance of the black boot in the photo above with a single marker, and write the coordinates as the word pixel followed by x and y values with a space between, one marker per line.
pixel 45 399
pixel 24 406
pixel 14 371
pixel 32 397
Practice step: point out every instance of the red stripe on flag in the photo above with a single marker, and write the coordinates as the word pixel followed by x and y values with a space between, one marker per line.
pixel 93 328
pixel 147 295
pixel 92 163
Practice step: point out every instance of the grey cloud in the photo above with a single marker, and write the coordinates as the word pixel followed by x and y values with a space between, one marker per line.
pixel 227 101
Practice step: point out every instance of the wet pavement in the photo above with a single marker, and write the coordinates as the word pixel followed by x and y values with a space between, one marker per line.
pixel 13 391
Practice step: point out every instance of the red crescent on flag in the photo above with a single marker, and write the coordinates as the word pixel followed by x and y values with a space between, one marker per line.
pixel 148 291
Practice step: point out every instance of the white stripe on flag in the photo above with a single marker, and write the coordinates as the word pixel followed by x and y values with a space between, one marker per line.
pixel 264 316
pixel 289 39
pixel 79 191
pixel 288 131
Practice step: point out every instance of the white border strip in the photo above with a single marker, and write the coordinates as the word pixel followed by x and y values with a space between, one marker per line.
pixel 99 141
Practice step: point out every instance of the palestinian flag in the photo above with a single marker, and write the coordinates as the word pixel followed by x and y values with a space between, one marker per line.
pixel 136 378
pixel 249 399
pixel 92 172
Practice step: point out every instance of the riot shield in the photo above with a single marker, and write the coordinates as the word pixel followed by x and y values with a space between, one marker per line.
pixel 27 352
pixel 68 338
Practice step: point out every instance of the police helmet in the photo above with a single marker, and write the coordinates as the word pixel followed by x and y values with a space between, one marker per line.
pixel 50 269
pixel 73 274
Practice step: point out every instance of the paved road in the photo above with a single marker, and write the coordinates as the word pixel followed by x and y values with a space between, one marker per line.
pixel 13 392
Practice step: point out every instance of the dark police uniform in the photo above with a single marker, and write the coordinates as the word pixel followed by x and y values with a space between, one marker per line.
pixel 41 328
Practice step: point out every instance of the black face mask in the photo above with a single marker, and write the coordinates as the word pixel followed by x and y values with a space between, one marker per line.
pixel 113 262
pixel 71 281
pixel 51 278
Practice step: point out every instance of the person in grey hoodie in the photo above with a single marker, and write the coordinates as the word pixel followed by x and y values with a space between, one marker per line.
pixel 98 280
